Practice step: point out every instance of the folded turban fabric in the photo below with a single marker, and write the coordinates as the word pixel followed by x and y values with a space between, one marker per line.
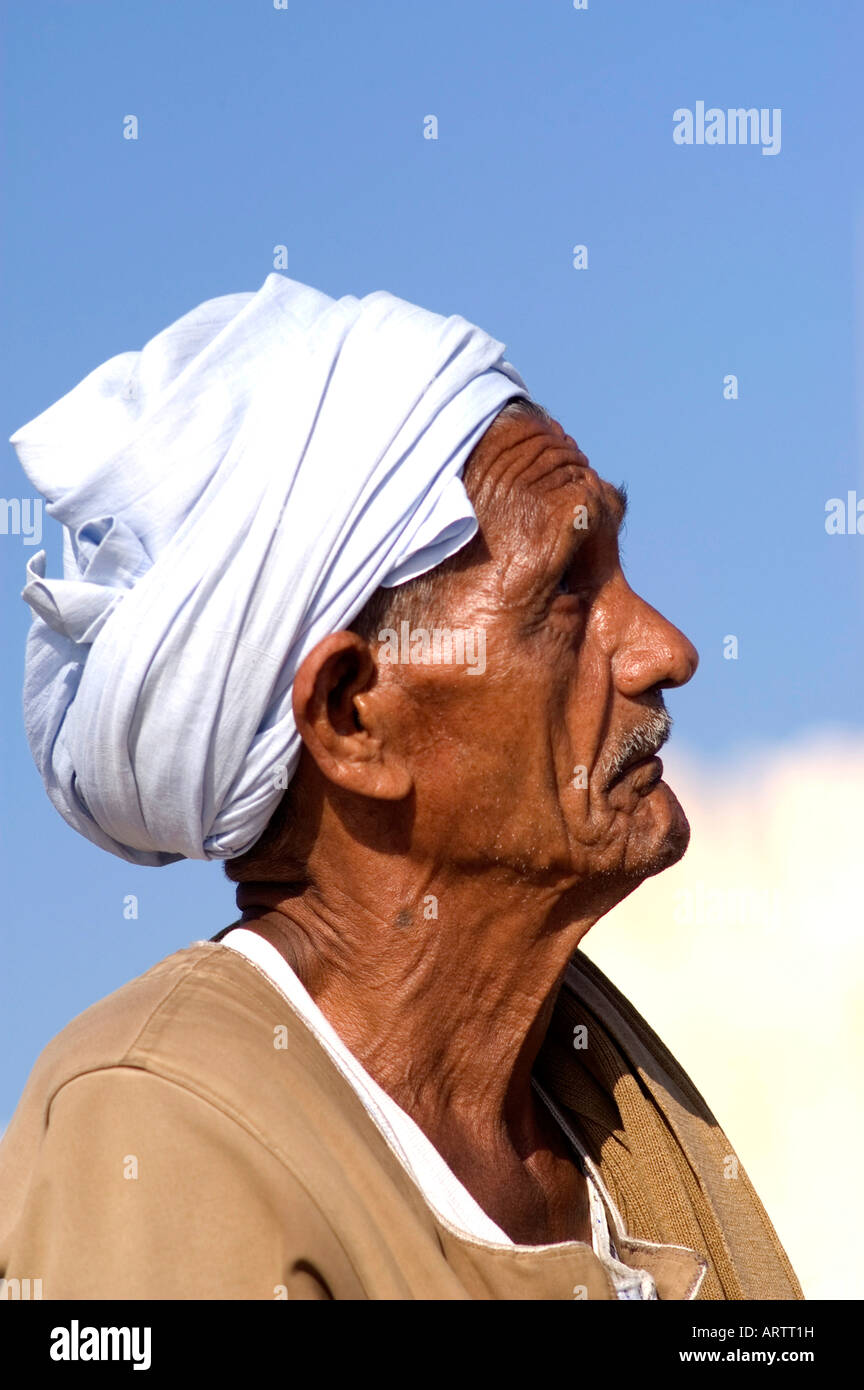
pixel 230 495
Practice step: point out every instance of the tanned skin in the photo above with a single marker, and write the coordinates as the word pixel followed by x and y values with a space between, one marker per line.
pixel 419 780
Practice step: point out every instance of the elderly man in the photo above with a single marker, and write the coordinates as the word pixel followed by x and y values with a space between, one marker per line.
pixel 291 526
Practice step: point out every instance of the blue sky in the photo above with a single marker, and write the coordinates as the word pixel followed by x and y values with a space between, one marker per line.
pixel 304 127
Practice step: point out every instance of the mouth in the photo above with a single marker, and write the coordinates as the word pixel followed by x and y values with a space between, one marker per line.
pixel 636 762
pixel 642 773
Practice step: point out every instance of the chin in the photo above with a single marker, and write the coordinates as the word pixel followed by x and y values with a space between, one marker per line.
pixel 661 833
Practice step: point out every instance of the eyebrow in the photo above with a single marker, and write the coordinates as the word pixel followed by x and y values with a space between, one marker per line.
pixel 615 514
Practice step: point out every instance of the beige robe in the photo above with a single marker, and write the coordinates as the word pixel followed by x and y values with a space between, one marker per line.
pixel 166 1148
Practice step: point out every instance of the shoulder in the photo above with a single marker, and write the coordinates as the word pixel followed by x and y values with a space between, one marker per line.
pixel 193 1089
pixel 208 1021
pixel 149 1020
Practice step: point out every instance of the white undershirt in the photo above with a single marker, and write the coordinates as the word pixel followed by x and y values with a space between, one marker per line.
pixel 445 1194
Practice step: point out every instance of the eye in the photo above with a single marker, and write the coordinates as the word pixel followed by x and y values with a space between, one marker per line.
pixel 568 583
pixel 572 584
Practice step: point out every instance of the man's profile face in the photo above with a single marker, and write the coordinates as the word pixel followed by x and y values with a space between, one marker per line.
pixel 520 765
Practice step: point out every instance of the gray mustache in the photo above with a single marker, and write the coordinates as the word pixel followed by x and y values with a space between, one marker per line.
pixel 642 742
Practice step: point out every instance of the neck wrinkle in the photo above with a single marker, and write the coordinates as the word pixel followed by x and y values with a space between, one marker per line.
pixel 262 894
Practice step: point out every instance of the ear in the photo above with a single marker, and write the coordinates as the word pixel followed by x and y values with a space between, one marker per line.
pixel 341 716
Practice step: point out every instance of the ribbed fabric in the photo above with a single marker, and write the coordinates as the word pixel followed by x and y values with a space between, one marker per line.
pixel 666 1162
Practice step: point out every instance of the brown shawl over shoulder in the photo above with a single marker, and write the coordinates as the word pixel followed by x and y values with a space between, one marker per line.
pixel 660 1151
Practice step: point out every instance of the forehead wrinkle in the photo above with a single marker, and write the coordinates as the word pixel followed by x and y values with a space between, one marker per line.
pixel 540 504
pixel 580 483
pixel 574 473
pixel 613 512
pixel 539 483
pixel 520 466
pixel 598 493
pixel 542 474
pixel 528 445
pixel 536 459
pixel 567 456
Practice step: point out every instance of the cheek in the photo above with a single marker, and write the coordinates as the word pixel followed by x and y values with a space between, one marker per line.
pixel 519 738
pixel 581 724
pixel 482 756
pixel 552 719
pixel 500 745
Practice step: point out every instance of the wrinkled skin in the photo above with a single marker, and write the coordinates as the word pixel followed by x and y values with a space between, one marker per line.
pixel 430 780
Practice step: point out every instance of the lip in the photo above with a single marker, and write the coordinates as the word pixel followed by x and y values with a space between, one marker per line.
pixel 646 771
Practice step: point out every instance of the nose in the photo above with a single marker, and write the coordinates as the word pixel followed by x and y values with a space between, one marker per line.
pixel 652 653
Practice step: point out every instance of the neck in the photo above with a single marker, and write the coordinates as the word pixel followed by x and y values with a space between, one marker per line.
pixel 445 1002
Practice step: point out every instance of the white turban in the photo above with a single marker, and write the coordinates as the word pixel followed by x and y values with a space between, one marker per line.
pixel 230 495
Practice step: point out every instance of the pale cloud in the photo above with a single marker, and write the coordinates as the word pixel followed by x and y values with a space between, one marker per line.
pixel 747 958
